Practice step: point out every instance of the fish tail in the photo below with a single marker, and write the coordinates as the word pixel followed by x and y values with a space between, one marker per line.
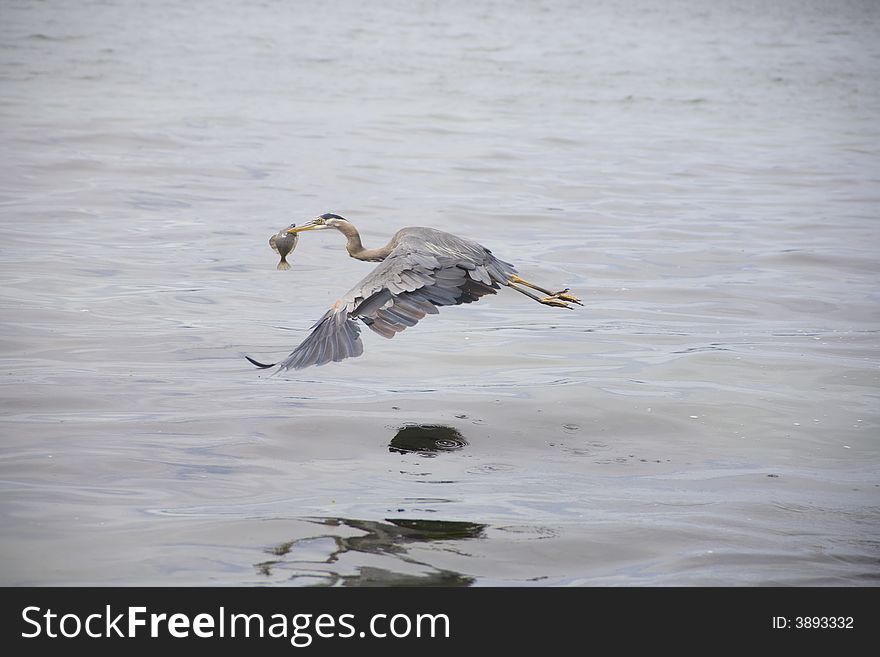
pixel 283 264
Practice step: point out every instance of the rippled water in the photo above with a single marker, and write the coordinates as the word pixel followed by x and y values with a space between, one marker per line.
pixel 704 175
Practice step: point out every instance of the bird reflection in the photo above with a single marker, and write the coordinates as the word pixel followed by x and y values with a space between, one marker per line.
pixel 426 439
pixel 385 539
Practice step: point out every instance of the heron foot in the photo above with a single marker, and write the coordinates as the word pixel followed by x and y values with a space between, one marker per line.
pixel 559 299
pixel 554 301
pixel 563 295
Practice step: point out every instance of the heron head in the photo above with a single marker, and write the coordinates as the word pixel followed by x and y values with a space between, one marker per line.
pixel 323 222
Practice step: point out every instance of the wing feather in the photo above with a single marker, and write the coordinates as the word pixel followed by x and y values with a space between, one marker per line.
pixel 428 268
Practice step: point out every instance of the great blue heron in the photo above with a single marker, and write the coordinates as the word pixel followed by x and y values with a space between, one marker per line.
pixel 422 268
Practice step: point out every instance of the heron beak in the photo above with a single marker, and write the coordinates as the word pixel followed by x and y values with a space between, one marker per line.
pixel 309 225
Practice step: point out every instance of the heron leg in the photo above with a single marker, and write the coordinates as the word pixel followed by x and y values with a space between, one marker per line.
pixel 562 295
pixel 547 301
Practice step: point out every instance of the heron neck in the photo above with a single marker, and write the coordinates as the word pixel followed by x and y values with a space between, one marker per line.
pixel 356 248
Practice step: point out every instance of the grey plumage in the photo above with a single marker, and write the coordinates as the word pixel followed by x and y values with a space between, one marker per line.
pixel 420 269
pixel 424 268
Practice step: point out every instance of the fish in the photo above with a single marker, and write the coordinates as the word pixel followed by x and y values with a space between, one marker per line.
pixel 283 243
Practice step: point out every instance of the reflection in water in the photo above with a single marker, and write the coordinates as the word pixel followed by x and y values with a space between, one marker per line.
pixel 306 556
pixel 426 439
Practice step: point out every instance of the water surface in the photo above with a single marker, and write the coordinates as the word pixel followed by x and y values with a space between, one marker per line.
pixel 704 175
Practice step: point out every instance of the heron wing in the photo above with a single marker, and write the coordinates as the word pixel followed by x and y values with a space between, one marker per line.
pixel 416 277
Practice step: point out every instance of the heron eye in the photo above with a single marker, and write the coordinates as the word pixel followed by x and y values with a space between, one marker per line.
pixel 320 221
